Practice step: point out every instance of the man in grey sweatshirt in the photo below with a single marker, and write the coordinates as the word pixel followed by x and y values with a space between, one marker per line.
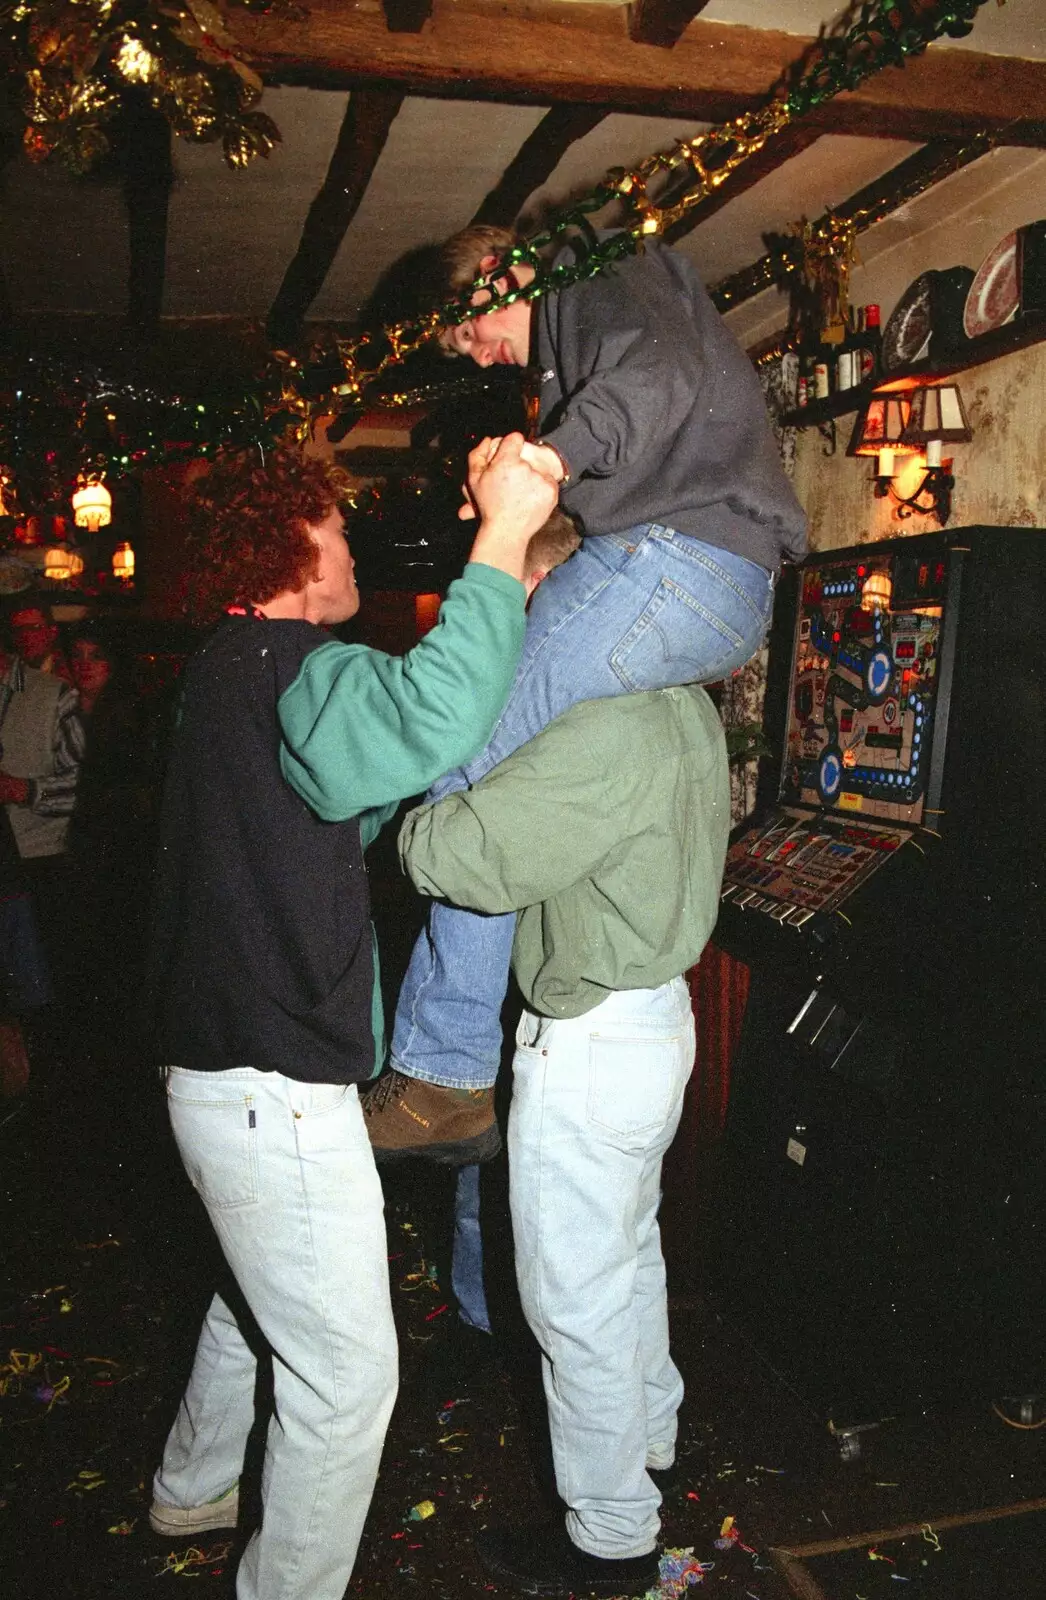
pixel 653 422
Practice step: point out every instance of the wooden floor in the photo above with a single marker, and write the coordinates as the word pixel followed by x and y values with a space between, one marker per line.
pixel 108 1267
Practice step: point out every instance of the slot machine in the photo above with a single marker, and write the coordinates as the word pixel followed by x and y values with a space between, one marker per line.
pixel 879 1222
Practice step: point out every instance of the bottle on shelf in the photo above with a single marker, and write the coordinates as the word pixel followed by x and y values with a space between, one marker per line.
pixel 807 392
pixel 825 375
pixel 869 350
pixel 822 375
pixel 846 361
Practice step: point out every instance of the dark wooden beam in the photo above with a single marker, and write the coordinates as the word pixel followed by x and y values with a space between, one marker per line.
pixel 142 139
pixel 10 147
pixel 920 171
pixel 535 53
pixel 364 130
pixel 407 16
pixel 534 163
pixel 774 155
pixel 661 22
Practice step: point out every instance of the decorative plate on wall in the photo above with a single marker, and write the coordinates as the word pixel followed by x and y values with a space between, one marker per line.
pixel 16 574
pixel 995 292
pixel 906 336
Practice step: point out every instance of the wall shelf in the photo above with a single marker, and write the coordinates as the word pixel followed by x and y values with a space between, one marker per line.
pixel 986 347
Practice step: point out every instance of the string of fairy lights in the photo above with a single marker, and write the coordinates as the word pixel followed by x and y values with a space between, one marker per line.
pixel 72 59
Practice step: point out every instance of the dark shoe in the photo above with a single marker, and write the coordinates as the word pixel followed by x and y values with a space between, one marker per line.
pixel 544 1560
pixel 408 1117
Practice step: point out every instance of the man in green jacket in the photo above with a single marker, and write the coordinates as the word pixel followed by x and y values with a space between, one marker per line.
pixel 607 835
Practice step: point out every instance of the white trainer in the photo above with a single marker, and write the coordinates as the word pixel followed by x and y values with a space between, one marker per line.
pixel 174 1521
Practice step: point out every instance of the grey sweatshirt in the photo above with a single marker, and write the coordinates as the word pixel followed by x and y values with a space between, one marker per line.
pixel 658 412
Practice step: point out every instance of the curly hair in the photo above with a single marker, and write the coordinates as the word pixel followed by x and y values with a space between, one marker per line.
pixel 248 533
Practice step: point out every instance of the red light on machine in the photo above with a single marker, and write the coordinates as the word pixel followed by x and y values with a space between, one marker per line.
pixel 426 612
pixel 904 650
pixel 862 572
pixel 836 638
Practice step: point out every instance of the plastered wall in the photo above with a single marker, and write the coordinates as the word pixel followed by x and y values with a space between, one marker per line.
pixel 1000 477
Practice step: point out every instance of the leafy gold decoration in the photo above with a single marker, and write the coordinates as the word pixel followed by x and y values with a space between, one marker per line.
pixel 74 58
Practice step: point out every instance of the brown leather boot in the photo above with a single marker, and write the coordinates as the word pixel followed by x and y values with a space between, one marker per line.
pixel 408 1117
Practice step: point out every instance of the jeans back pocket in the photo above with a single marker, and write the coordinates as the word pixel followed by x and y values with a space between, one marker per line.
pixel 218 1144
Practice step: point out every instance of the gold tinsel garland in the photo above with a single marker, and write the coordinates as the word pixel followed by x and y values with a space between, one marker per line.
pixel 880 33
pixel 76 58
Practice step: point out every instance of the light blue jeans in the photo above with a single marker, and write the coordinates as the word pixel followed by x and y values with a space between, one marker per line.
pixel 596 1101
pixel 286 1173
pixel 627 612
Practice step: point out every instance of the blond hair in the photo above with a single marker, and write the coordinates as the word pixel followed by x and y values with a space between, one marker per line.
pixel 554 541
pixel 460 257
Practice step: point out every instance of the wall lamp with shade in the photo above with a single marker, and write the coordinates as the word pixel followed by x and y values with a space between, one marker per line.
pixel 62 562
pixel 123 562
pixel 938 417
pixel 914 424
pixel 92 503
pixel 879 431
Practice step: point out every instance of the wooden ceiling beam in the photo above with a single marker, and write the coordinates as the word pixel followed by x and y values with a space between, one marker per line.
pixel 661 22
pixel 361 139
pixel 407 16
pixel 774 155
pixel 143 140
pixel 921 170
pixel 537 53
pixel 534 163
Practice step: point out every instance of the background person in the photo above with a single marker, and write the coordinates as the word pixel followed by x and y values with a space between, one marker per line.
pixel 112 842
pixel 36 638
pixel 41 749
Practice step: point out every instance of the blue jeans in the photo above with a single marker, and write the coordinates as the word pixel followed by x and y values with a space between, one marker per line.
pixel 625 613
pixel 596 1101
pixel 286 1173
pixel 466 1262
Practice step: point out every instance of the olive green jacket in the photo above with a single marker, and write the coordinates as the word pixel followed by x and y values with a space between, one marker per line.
pixel 607 833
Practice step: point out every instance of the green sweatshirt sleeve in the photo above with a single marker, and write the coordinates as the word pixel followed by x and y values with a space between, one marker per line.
pixel 363 729
pixel 513 839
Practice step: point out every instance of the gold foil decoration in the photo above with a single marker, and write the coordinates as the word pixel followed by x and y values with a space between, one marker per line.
pixel 829 249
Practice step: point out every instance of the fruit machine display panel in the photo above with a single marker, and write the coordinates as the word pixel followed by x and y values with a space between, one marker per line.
pixel 862 732
pixel 864 691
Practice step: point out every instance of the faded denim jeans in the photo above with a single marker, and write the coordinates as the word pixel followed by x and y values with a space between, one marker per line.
pixel 627 612
pixel 286 1172
pixel 596 1101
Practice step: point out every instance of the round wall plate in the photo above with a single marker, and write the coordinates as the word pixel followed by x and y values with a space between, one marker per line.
pixel 995 292
pixel 16 574
pixel 906 336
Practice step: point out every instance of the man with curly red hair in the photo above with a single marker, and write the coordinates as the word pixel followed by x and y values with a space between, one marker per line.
pixel 290 751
